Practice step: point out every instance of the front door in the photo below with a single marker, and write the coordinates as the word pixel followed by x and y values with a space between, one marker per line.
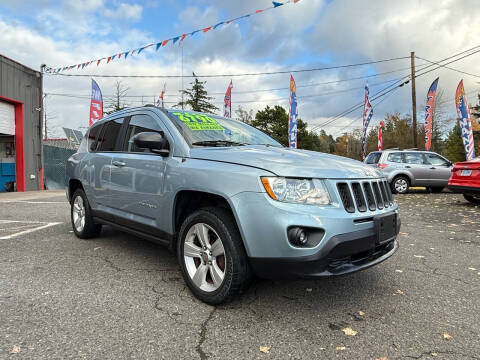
pixel 415 163
pixel 439 169
pixel 137 176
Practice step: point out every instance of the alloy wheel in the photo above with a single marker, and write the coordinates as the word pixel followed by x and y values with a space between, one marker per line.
pixel 204 257
pixel 401 185
pixel 78 213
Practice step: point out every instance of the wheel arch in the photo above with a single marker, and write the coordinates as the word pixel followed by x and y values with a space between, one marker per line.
pixel 73 185
pixel 188 201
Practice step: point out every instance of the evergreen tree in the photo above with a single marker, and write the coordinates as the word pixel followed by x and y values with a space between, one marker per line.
pixel 454 149
pixel 197 98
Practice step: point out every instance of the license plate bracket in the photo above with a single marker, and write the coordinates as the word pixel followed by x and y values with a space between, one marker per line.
pixel 385 227
pixel 466 173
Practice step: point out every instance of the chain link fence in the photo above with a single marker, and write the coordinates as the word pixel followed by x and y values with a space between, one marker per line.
pixel 55 155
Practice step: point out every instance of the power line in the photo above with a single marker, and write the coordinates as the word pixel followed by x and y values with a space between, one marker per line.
pixel 449 68
pixel 236 75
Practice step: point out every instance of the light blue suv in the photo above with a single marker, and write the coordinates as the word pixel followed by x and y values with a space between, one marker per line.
pixel 230 201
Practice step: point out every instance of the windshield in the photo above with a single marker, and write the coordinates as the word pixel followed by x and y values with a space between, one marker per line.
pixel 211 130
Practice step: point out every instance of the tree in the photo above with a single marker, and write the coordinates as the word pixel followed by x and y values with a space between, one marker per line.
pixel 244 115
pixel 117 102
pixel 197 98
pixel 274 122
pixel 454 149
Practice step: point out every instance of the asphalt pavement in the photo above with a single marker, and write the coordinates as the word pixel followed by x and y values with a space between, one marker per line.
pixel 120 297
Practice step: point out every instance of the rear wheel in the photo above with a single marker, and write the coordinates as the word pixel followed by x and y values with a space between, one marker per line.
pixel 81 215
pixel 436 190
pixel 400 185
pixel 473 199
pixel 211 255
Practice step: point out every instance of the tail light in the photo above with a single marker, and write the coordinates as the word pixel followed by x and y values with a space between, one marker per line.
pixel 381 166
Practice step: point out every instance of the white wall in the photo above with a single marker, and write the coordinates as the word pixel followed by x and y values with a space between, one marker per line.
pixel 7 118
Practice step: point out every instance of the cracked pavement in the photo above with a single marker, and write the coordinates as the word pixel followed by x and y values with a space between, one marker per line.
pixel 118 296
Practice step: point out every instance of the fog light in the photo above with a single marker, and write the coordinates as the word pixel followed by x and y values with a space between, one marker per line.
pixel 297 236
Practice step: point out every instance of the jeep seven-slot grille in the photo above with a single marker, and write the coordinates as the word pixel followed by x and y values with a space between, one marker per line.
pixel 370 195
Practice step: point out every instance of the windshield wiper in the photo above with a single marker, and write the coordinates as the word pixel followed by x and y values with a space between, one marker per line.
pixel 217 143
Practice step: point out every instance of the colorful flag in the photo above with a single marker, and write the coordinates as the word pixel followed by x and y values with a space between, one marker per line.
pixel 160 102
pixel 380 136
pixel 228 101
pixel 367 115
pixel 96 104
pixel 292 115
pixel 432 92
pixel 465 121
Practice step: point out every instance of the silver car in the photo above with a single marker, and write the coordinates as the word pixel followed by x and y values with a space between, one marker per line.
pixel 412 167
pixel 229 200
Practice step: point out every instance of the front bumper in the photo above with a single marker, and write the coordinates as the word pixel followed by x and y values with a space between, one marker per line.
pixel 344 254
pixel 469 190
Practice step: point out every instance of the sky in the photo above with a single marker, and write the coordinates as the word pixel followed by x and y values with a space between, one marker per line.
pixel 308 34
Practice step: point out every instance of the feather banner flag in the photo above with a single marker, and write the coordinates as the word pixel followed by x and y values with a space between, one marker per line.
pixel 292 115
pixel 174 39
pixel 367 116
pixel 432 92
pixel 96 104
pixel 465 121
pixel 228 101
pixel 160 102
pixel 380 136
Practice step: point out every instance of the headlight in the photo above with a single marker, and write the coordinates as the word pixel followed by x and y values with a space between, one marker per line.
pixel 303 191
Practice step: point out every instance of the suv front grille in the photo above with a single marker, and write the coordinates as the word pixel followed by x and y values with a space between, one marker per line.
pixel 371 195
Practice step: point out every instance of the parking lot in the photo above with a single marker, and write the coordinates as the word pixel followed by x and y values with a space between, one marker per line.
pixel 122 297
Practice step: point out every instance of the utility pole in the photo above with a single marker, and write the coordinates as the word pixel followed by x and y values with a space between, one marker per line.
pixel 414 99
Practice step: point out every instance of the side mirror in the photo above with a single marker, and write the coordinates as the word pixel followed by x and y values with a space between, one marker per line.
pixel 153 141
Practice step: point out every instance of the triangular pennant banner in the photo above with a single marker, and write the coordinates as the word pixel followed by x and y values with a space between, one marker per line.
pixel 194 32
pixel 207 29
pixel 158 45
pixel 217 25
pixel 276 4
pixel 164 42
pixel 126 54
pixel 113 57
pixel 83 65
pixel 175 39
pixel 183 37
pixel 258 11
pixel 140 50
pixel 98 62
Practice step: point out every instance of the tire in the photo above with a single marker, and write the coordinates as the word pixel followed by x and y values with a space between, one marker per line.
pixel 473 199
pixel 400 185
pixel 213 279
pixel 81 216
pixel 436 190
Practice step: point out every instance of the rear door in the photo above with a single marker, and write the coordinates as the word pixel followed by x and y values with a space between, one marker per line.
pixel 137 177
pixel 415 163
pixel 104 148
pixel 440 169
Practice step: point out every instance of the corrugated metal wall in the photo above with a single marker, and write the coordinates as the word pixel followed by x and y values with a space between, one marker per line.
pixel 23 84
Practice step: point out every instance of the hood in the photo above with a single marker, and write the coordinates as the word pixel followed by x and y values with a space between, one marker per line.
pixel 288 162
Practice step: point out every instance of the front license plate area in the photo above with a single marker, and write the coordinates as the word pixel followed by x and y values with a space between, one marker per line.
pixel 385 227
pixel 466 173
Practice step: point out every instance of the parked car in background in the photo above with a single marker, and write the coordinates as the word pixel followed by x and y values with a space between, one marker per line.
pixel 465 180
pixel 412 167
pixel 229 200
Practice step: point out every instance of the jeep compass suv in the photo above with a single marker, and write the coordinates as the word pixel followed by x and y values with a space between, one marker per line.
pixel 228 200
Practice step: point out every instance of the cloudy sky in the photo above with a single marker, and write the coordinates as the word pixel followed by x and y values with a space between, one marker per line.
pixel 309 34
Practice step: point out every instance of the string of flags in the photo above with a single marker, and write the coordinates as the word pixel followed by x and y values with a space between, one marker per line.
pixel 160 44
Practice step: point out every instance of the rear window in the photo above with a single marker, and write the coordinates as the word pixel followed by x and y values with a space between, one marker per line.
pixel 395 157
pixel 373 157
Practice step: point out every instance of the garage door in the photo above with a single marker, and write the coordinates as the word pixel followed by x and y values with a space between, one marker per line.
pixel 7 118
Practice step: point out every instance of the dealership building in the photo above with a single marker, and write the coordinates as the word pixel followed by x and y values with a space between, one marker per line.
pixel 20 127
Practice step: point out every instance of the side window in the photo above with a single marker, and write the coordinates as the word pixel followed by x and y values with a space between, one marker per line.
pixel 395 157
pixel 414 158
pixel 109 135
pixel 436 160
pixel 138 124
pixel 92 136
pixel 373 157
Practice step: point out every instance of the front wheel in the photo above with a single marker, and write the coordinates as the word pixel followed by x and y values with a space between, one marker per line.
pixel 473 199
pixel 212 257
pixel 400 185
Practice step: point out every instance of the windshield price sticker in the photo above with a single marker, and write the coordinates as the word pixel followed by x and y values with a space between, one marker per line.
pixel 197 121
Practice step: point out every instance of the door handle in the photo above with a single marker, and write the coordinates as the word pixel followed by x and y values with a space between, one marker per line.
pixel 119 163
pixel 407 167
pixel 433 168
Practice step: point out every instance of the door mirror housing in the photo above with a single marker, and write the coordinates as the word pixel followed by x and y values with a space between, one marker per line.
pixel 153 141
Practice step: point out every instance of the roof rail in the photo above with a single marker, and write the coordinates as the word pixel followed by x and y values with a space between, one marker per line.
pixel 393 149
pixel 415 149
